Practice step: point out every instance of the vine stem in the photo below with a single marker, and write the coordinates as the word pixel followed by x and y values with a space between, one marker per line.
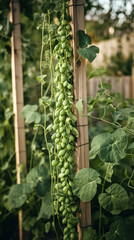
pixel 52 175
pixel 113 124
pixel 53 180
pixel 31 157
pixel 45 132
pixel 130 180
pixel 41 56
pixel 100 216
pixel 51 56
pixel 101 82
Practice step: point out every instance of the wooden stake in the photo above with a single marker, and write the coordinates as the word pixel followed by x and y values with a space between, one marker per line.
pixel 76 8
pixel 132 79
pixel 17 91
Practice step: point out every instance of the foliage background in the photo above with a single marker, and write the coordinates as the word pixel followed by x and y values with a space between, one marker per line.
pixel 31 44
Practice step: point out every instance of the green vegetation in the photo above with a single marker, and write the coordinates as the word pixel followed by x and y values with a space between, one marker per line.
pixel 49 193
pixel 109 182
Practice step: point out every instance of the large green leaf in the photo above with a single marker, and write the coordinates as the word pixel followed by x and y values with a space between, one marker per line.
pixel 96 144
pixel 121 230
pixel 18 195
pixel 83 38
pixel 85 184
pixel 30 114
pixel 89 234
pixel 89 53
pixel 46 207
pixel 115 199
pixel 38 177
pixel 109 147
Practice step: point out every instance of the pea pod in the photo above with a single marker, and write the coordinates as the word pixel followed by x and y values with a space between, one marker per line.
pixel 64 126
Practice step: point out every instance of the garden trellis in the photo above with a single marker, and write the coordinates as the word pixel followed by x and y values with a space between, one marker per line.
pixel 76 9
pixel 80 91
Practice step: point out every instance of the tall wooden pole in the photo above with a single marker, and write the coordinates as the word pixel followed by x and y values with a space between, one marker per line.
pixel 132 89
pixel 17 91
pixel 80 91
pixel 132 79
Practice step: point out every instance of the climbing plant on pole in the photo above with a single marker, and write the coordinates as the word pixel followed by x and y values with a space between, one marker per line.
pixel 68 130
pixel 17 92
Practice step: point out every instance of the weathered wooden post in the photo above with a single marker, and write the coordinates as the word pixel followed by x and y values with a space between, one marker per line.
pixel 76 8
pixel 132 80
pixel 17 92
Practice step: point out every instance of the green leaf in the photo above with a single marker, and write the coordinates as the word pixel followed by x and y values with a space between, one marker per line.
pixel 38 177
pixel 79 106
pixel 30 114
pixel 18 195
pixel 109 147
pixel 47 227
pixel 106 170
pixel 83 39
pixel 89 234
pixel 85 184
pixel 126 111
pixel 131 146
pixel 8 113
pixel 29 222
pixel 116 116
pixel 45 101
pixel 46 207
pixel 40 78
pixel 49 127
pixel 120 230
pixel 2 132
pixel 73 220
pixel 43 187
pixel 5 166
pixel 104 86
pixel 97 72
pixel 96 144
pixel 37 17
pixel 48 5
pixel 130 123
pixel 89 53
pixel 115 199
pixel 1 27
